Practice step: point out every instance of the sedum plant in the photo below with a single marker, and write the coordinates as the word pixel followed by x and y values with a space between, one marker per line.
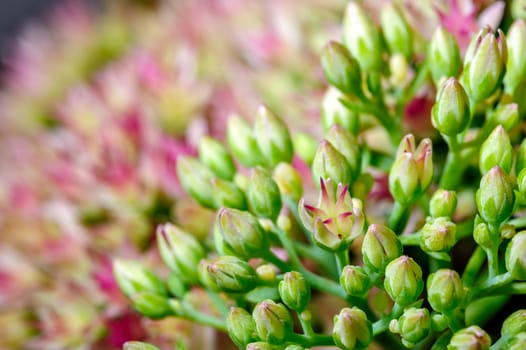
pixel 381 242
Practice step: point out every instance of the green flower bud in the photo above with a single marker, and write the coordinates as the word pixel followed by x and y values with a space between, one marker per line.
pixel 521 185
pixel 443 203
pixel 507 231
pixel 328 163
pixel 443 55
pixel 215 156
pixel 273 321
pixel 242 143
pixel 471 338
pixel 176 286
pixel 333 111
pixel 138 345
pixel 264 197
pixel 305 146
pixel 450 114
pixel 514 323
pixel 521 157
pixel 180 251
pixel 133 278
pixel 337 220
pixel 195 180
pixel 205 278
pixel 227 194
pixel 294 347
pixel 288 180
pixel 341 69
pixel 260 345
pixel 517 342
pixel 496 150
pixel 515 256
pixel 397 33
pixel 403 280
pixel 151 305
pixel 347 145
pixel 242 233
pixel 506 115
pixel 495 196
pixel 414 325
pixel 484 64
pixel 294 291
pixel 412 172
pixel 355 281
pixel 515 64
pixel 240 326
pixel 438 235
pixel 232 275
pixel 380 246
pixel 272 137
pixel 352 330
pixel 445 291
pixel 482 235
pixel 362 37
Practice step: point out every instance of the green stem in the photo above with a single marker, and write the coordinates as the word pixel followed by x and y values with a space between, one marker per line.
pixel 306 324
pixel 321 257
pixel 499 344
pixel 202 318
pixel 398 217
pixel 493 252
pixel 490 285
pixel 513 288
pixel 342 259
pixel 315 340
pixel 473 267
pixel 454 322
pixel 411 239
pixel 382 324
pixel 454 166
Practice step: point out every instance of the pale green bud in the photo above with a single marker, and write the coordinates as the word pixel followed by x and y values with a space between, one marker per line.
pixel 471 338
pixel 352 330
pixel 180 251
pixel 397 33
pixel 514 323
pixel 195 179
pixel 445 291
pixel 482 235
pixel 138 345
pixel 272 137
pixel 294 291
pixel 240 326
pixel 294 347
pixel 443 55
pixel 438 235
pixel 273 321
pixel 215 156
pixel 333 111
pixel 227 194
pixel 506 115
pixel 341 69
pixel 414 325
pixel 521 157
pixel 380 246
pixel 242 143
pixel 362 38
pixel 346 144
pixel 515 65
pixel 496 150
pixel 232 274
pixel 450 114
pixel 205 278
pixel 133 278
pixel 176 286
pixel 288 180
pixel 403 280
pixel 264 197
pixel 516 257
pixel 259 345
pixel 495 196
pixel 330 164
pixel 242 233
pixel 151 305
pixel 443 203
pixel 517 342
pixel 355 281
pixel 305 146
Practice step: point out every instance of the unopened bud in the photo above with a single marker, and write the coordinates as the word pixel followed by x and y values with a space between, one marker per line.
pixel 305 146
pixel 176 286
pixel 403 280
pixel 215 156
pixel 450 114
pixel 333 111
pixel 496 150
pixel 514 323
pixel 443 203
pixel 515 256
pixel 443 55
pixel 242 143
pixel 495 196
pixel 506 115
pixel 380 246
pixel 227 194
pixel 259 345
pixel 414 325
pixel 445 291
pixel 352 329
pixel 242 233
pixel 471 338
pixel 232 274
pixel 517 342
pixel 330 164
pixel 195 179
pixel 134 278
pixel 241 327
pixel 347 145
pixel 341 69
pixel 288 180
pixel 515 65
pixel 272 137
pixel 396 31
pixel 264 197
pixel 273 321
pixel 355 281
pixel 151 305
pixel 294 291
pixel 138 345
pixel 482 235
pixel 438 235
